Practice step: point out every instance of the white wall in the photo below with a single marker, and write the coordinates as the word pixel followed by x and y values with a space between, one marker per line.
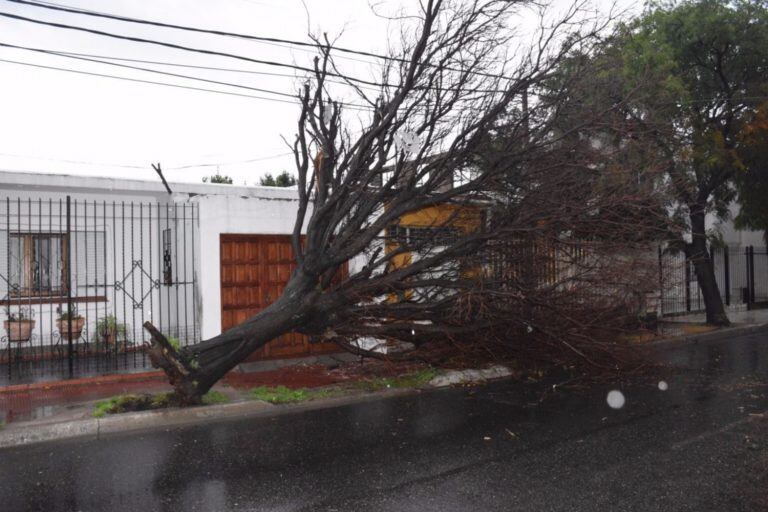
pixel 735 237
pixel 272 213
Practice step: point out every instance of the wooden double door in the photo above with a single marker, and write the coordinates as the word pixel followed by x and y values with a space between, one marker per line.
pixel 254 272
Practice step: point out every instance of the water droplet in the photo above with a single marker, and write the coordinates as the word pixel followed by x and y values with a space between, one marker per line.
pixel 615 399
pixel 663 386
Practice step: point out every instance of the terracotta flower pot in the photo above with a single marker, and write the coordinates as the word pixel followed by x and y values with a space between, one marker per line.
pixel 77 328
pixel 19 331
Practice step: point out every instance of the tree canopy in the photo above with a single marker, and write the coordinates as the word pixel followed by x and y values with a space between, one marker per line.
pixel 688 78
pixel 284 179
pixel 218 178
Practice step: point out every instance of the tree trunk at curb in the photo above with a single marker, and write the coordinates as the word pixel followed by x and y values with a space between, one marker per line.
pixel 193 370
pixel 699 255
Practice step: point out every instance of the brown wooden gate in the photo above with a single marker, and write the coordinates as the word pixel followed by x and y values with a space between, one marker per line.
pixel 254 272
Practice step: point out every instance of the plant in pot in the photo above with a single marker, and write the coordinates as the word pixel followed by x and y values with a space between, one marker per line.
pixel 109 330
pixel 69 317
pixel 19 325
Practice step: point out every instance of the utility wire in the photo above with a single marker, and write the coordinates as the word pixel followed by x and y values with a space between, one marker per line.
pixel 231 55
pixel 144 167
pixel 58 54
pixel 260 159
pixel 184 48
pixel 79 162
pixel 175 75
pixel 178 86
pixel 207 68
pixel 88 12
pixel 197 66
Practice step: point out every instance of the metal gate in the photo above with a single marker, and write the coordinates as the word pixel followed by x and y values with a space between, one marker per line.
pixel 741 274
pixel 78 278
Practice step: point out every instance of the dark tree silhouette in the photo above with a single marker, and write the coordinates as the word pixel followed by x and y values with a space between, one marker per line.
pixel 468 134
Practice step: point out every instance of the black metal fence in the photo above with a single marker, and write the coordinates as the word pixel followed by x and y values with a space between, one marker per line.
pixel 78 278
pixel 741 274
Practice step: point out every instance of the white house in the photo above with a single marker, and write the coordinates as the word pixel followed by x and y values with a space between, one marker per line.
pixel 122 252
pixel 194 262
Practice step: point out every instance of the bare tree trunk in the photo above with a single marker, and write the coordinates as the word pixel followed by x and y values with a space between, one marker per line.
pixel 193 370
pixel 705 272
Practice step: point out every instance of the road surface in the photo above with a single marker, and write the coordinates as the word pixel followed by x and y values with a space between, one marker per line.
pixel 700 445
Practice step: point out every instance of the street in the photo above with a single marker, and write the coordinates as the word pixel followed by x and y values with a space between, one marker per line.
pixel 700 445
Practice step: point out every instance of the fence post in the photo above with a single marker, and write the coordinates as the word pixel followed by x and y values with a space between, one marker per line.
pixel 687 284
pixel 661 284
pixel 727 274
pixel 69 289
pixel 751 275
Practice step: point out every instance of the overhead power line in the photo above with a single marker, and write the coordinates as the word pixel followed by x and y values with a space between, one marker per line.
pixel 182 47
pixel 305 44
pixel 144 167
pixel 231 55
pixel 251 160
pixel 178 86
pixel 197 66
pixel 175 75
pixel 78 162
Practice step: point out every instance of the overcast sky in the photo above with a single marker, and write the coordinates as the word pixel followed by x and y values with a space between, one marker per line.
pixel 55 121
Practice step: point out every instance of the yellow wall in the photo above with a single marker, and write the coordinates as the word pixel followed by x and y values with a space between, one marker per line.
pixel 463 218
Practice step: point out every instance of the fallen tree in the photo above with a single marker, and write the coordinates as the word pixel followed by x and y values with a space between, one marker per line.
pixel 523 219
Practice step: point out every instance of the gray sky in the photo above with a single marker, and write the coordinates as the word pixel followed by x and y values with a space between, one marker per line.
pixel 50 116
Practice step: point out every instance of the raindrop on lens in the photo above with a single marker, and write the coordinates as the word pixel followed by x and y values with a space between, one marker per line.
pixel 663 386
pixel 615 399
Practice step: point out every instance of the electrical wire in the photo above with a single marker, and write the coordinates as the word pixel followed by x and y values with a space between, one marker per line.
pixel 207 68
pixel 184 48
pixel 305 44
pixel 178 86
pixel 231 55
pixel 175 75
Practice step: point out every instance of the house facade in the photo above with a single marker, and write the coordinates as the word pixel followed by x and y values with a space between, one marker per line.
pixel 117 252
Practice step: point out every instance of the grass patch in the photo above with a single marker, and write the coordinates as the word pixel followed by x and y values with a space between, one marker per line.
pixel 133 403
pixel 129 403
pixel 284 395
pixel 215 397
pixel 410 380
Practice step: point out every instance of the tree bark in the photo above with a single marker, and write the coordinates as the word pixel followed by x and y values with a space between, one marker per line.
pixel 699 255
pixel 192 371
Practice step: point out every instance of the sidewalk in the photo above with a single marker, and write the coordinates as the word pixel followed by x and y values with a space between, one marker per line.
pixel 43 401
pixel 696 323
pixel 58 406
pixel 739 317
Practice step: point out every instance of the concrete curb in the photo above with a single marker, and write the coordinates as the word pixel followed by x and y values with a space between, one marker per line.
pixel 25 433
pixel 708 336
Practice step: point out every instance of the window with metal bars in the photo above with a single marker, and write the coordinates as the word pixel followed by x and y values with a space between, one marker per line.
pixel 37 264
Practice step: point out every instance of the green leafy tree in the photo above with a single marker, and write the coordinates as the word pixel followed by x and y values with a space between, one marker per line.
pixel 218 178
pixel 752 181
pixel 284 179
pixel 687 75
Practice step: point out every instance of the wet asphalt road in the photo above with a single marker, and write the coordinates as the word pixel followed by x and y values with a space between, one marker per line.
pixel 702 445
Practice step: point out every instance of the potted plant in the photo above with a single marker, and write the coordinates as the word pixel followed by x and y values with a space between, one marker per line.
pixel 70 317
pixel 19 325
pixel 109 330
